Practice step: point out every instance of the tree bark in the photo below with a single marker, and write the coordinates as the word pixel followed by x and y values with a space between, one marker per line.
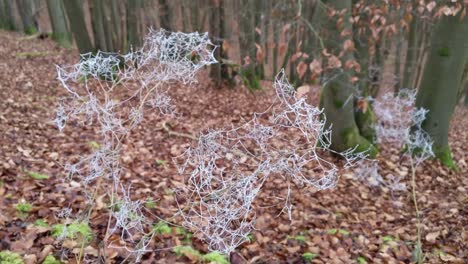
pixel 337 94
pixel 215 30
pixel 108 25
pixel 9 18
pixel 411 55
pixel 75 16
pixel 133 36
pixel 61 33
pixel 164 14
pixel 441 79
pixel 25 8
pixel 97 21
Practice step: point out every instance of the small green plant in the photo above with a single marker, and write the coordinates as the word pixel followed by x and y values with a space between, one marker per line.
pixel 250 237
pixel 309 256
pixel 37 175
pixel 23 208
pixel 335 231
pixel 41 223
pixel 51 260
pixel 187 235
pixel 94 145
pixel 75 230
pixel 162 228
pixel 215 257
pixel 160 163
pixel 343 232
pixel 150 204
pixel 361 260
pixel 187 251
pixel 300 238
pixel 9 257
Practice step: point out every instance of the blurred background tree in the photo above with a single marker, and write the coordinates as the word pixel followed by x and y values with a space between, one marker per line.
pixel 354 50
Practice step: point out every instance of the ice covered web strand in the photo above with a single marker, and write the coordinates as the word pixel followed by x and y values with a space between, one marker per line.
pixel 112 92
pixel 226 169
pixel 398 126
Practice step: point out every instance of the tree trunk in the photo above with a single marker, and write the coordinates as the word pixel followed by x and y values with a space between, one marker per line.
pixel 107 25
pixel 164 15
pixel 399 44
pixel 133 36
pixel 97 21
pixel 423 39
pixel 337 96
pixel 215 30
pixel 2 14
pixel 25 8
pixel 9 18
pixel 441 79
pixel 61 33
pixel 411 55
pixel 78 26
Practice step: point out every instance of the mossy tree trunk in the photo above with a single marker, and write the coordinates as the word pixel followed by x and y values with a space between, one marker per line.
pixel 61 32
pixel 337 97
pixel 441 80
pixel 2 14
pixel 75 16
pixel 8 16
pixel 26 10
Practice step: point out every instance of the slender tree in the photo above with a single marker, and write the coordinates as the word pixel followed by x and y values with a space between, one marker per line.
pixel 26 10
pixel 411 54
pixel 441 80
pixel 75 16
pixel 98 21
pixel 61 33
pixel 108 25
pixel 164 14
pixel 133 36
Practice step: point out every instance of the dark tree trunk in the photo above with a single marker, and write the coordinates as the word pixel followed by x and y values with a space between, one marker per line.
pixel 75 16
pixel 164 14
pixel 411 55
pixel 133 36
pixel 9 17
pixel 441 80
pixel 61 33
pixel 97 21
pixel 25 8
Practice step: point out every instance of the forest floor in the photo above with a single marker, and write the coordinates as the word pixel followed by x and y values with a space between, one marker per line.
pixel 352 223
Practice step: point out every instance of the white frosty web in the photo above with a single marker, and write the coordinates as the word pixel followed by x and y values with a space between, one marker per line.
pixel 226 169
pixel 112 91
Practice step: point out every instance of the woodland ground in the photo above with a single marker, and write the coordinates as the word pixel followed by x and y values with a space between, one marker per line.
pixel 341 225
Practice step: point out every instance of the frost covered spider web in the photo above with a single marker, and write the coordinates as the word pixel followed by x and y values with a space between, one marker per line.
pixel 112 92
pixel 226 169
pixel 399 125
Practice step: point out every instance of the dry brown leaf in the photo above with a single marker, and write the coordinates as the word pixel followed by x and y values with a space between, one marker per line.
pixel 301 69
pixel 431 237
